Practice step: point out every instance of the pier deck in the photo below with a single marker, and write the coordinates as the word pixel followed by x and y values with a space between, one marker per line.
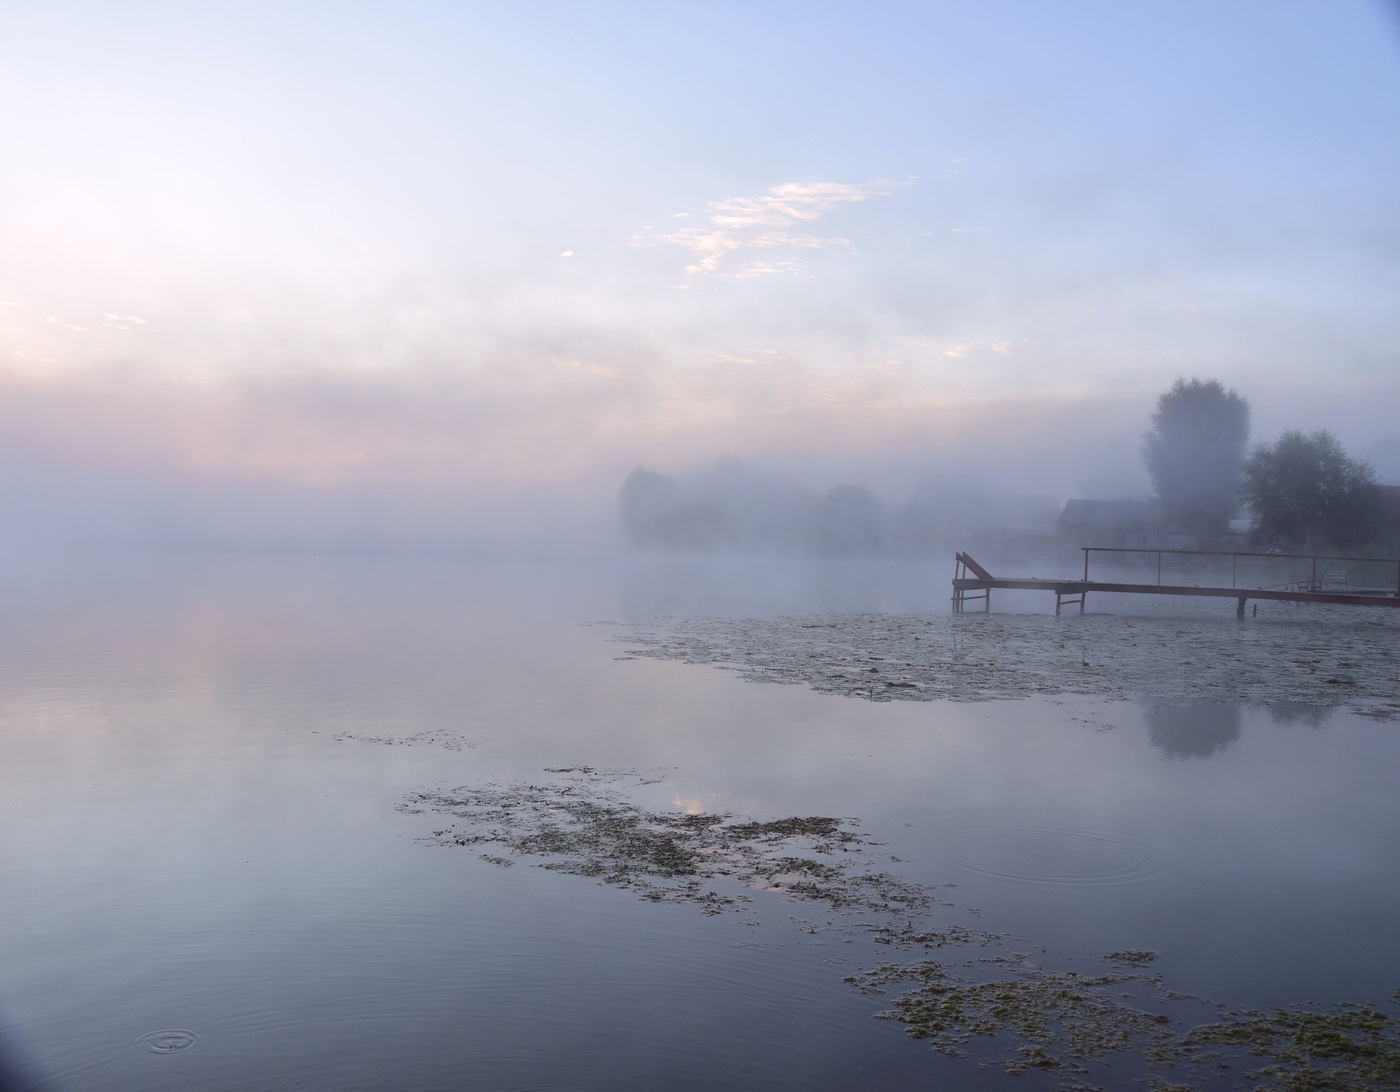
pixel 972 582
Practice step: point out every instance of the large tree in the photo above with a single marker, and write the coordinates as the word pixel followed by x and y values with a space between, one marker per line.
pixel 1195 454
pixel 1305 488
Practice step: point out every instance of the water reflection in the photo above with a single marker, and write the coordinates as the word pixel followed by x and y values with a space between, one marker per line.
pixel 1300 713
pixel 1193 729
pixel 689 586
pixel 203 758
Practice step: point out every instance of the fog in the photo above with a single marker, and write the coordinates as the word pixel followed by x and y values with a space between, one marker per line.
pixel 441 283
pixel 732 505
pixel 433 465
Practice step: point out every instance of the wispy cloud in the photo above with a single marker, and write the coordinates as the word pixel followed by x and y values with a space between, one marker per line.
pixel 583 365
pixel 966 348
pixel 737 226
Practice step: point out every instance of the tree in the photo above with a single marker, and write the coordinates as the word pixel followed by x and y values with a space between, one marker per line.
pixel 1305 488
pixel 1195 453
pixel 849 520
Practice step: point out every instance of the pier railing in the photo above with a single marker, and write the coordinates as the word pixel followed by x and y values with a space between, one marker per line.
pixel 1266 564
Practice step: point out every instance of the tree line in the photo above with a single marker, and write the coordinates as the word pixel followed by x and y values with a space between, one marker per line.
pixel 1302 489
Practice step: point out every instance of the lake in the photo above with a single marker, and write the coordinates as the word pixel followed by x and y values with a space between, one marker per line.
pixel 228 778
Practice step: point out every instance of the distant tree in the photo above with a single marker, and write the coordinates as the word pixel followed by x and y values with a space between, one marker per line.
pixel 656 512
pixel 849 520
pixel 729 505
pixel 1195 453
pixel 1305 488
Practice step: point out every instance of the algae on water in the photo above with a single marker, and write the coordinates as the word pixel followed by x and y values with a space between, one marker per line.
pixel 1047 1020
pixel 1024 1018
pixel 991 1004
pixel 974 657
pixel 581 826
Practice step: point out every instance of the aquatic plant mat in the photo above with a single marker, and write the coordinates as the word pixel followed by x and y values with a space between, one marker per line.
pixel 577 823
pixel 1322 656
pixel 984 998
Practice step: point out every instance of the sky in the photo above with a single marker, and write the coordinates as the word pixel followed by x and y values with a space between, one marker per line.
pixel 412 262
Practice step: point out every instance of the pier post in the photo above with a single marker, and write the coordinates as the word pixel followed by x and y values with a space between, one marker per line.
pixel 1239 608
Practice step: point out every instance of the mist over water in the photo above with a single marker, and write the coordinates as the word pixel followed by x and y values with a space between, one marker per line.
pixel 206 755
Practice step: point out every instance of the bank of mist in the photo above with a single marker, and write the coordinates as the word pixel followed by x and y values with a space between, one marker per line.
pixel 733 506
pixel 732 537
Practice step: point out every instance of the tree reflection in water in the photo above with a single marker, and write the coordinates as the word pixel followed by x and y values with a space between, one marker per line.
pixel 1193 729
pixel 1300 713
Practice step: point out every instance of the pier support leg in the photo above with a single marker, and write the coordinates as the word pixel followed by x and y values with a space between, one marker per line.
pixel 1239 608
pixel 1061 598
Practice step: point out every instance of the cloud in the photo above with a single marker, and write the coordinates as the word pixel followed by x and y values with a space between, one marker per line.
pixel 583 365
pixel 566 254
pixel 739 225
pixel 967 348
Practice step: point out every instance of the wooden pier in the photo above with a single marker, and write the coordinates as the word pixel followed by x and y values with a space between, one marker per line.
pixel 973 583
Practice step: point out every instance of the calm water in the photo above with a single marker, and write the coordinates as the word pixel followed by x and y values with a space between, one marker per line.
pixel 208 885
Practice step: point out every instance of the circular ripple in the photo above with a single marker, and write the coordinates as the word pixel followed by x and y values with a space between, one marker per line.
pixel 170 1041
pixel 1040 855
pixel 834 961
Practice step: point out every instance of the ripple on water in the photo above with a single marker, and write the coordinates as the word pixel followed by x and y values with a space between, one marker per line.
pixel 567 1086
pixel 170 1041
pixel 1045 855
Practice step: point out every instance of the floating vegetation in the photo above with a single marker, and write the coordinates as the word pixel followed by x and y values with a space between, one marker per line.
pixel 715 861
pixel 1131 957
pixel 1056 1021
pixel 449 741
pixel 993 1005
pixel 923 657
pixel 1340 1049
pixel 1066 1023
